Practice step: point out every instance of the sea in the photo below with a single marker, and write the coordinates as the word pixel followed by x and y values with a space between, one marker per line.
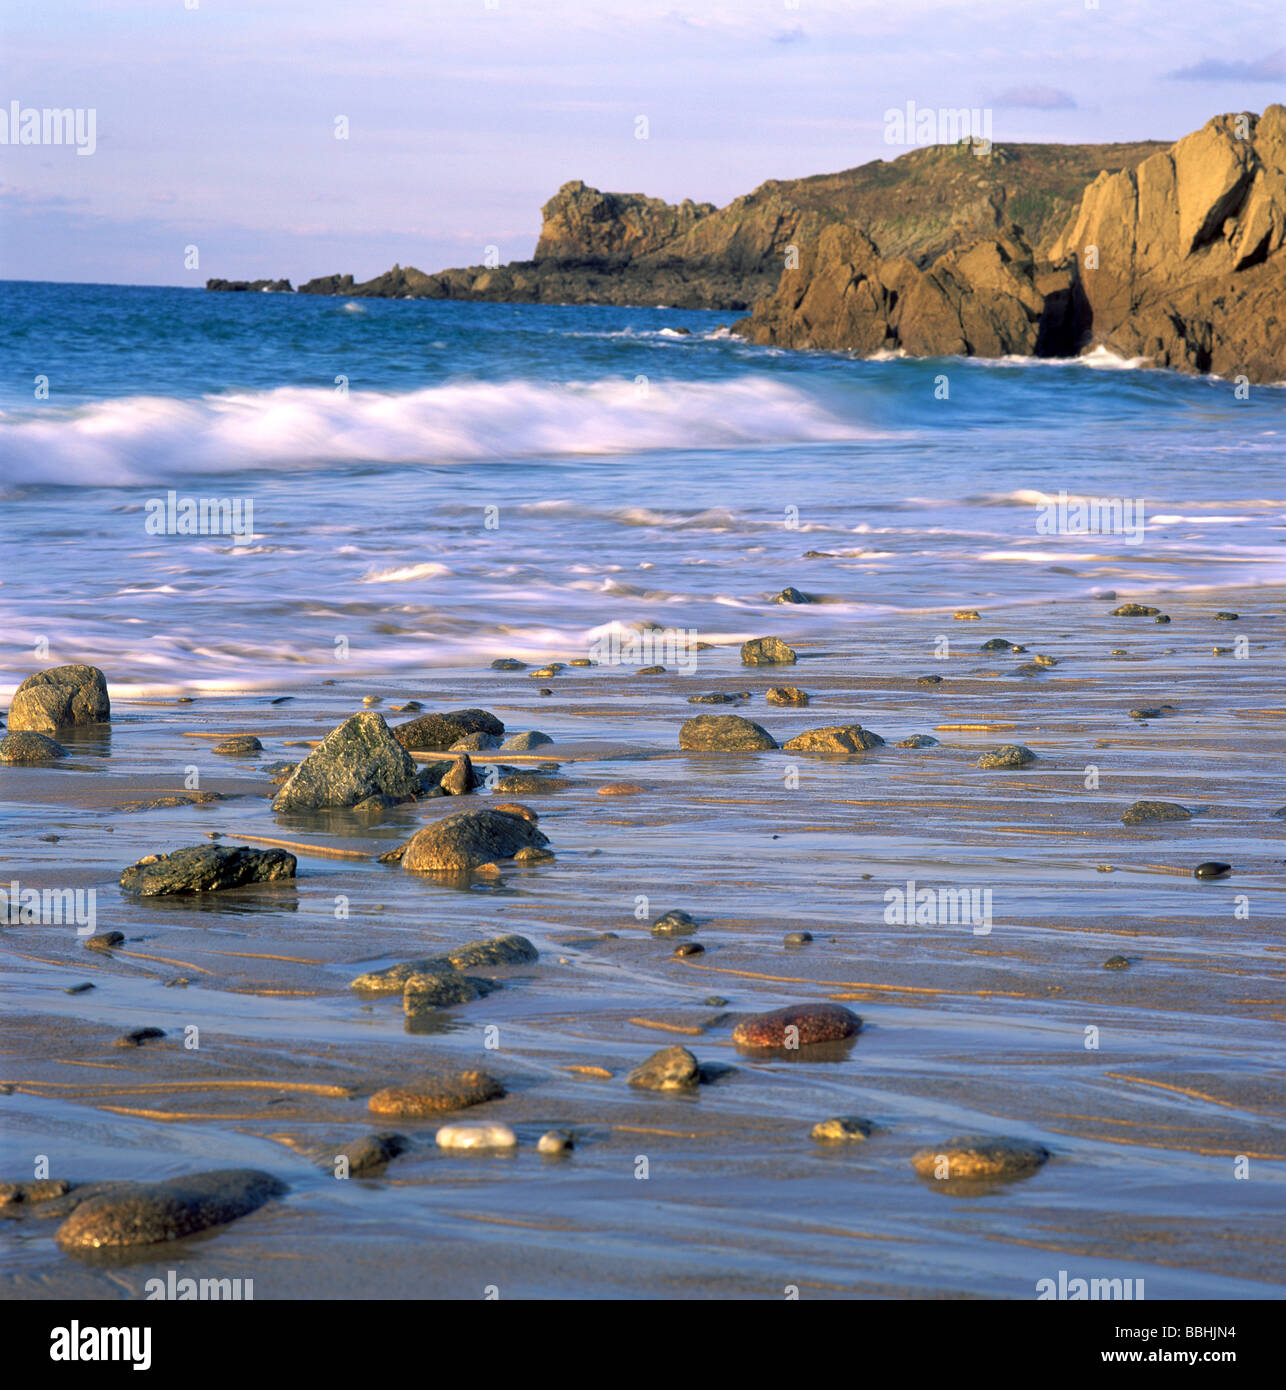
pixel 397 486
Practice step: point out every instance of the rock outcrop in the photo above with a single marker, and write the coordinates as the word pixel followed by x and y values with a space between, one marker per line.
pixel 1183 259
pixel 1178 260
pixel 1172 254
pixel 262 286
pixel 625 248
pixel 580 223
pixel 988 300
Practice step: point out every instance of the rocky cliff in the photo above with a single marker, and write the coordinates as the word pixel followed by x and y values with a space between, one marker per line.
pixel 1176 258
pixel 624 248
pixel 1173 253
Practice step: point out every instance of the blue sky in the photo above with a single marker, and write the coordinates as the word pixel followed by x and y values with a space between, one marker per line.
pixel 215 125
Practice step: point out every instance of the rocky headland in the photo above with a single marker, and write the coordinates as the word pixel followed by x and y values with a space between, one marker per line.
pixel 1169 254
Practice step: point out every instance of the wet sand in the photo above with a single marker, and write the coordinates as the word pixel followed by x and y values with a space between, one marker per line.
pixel 963 1033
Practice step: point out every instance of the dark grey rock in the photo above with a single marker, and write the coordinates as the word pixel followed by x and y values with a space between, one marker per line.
pixel 373 1152
pixel 28 748
pixel 1143 811
pixel 724 732
pixel 241 746
pixel 105 940
pixel 1008 755
pixel 674 923
pixel 206 869
pixel 437 732
pixel 151 1213
pixel 354 762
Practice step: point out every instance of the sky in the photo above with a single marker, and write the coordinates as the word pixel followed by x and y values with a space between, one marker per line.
pixel 215 122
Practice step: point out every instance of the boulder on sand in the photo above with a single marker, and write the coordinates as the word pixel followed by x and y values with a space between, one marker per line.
pixel 206 869
pixel 60 697
pixel 464 841
pixel 354 762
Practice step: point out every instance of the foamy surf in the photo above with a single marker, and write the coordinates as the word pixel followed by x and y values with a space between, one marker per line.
pixel 146 439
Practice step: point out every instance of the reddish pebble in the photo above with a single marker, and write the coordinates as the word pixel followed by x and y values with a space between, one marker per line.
pixel 811 1024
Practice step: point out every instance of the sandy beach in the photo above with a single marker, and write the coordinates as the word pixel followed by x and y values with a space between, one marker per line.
pixel 1155 1086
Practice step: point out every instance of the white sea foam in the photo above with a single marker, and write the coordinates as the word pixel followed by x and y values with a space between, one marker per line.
pixel 403 574
pixel 145 438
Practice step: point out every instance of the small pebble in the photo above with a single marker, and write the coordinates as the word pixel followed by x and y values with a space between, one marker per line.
pixel 621 789
pixel 979 1157
pixel 83 988
pixel 842 1129
pixel 803 1024
pixel 1225 617
pixel 797 938
pixel 1212 868
pixel 138 1036
pixel 689 948
pixel 1116 963
pixel 104 940
pixel 671 1069
pixel 477 1134
pixel 555 1141
pixel 373 1152
pixel 1008 755
pixel 674 923
pixel 434 1094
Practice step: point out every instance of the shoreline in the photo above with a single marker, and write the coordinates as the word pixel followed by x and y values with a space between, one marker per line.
pixel 963 1033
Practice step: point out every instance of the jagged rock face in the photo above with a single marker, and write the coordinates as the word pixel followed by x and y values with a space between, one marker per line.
pixel 991 299
pixel 580 224
pixel 1183 260
pixel 1180 260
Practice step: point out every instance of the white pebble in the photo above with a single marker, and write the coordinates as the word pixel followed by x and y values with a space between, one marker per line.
pixel 556 1141
pixel 477 1134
